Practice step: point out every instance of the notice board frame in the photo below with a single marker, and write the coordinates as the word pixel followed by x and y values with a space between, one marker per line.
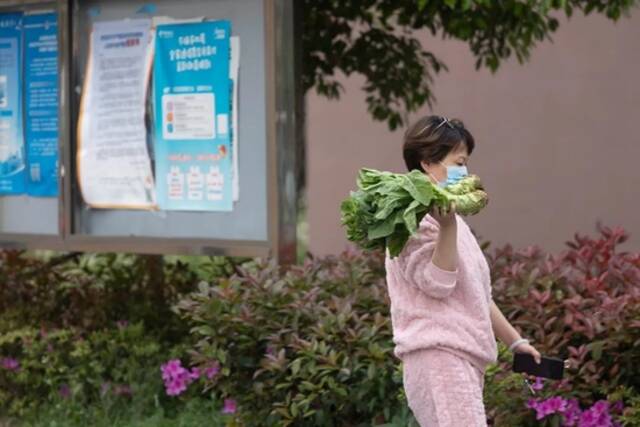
pixel 280 97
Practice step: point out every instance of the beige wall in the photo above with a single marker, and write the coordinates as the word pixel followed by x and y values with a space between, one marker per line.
pixel 558 139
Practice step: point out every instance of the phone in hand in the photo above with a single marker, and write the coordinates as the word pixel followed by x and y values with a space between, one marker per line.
pixel 549 367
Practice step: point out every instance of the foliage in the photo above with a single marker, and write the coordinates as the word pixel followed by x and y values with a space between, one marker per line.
pixel 299 345
pixel 378 40
pixel 582 305
pixel 306 346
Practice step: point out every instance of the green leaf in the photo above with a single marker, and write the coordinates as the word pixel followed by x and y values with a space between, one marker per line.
pixel 382 229
pixel 295 366
pixel 596 349
pixel 409 216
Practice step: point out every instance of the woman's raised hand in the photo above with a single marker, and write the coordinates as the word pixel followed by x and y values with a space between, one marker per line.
pixel 445 216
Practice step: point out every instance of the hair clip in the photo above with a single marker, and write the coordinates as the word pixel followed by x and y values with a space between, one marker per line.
pixel 444 120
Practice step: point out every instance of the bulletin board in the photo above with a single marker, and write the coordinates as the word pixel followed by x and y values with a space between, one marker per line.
pixel 261 219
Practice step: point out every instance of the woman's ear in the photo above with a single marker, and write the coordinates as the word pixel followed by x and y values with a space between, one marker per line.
pixel 425 165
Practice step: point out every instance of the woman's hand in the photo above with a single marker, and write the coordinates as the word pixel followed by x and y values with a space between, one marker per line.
pixel 528 348
pixel 445 217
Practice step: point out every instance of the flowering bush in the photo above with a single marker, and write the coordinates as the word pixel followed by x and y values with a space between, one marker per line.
pixel 571 415
pixel 64 364
pixel 588 299
pixel 303 346
pixel 582 305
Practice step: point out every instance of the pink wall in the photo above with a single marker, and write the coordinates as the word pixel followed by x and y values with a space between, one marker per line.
pixel 558 139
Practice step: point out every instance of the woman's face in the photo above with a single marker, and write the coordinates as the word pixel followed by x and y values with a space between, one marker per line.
pixel 438 171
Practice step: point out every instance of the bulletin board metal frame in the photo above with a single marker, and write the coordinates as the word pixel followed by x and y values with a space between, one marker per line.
pixel 281 197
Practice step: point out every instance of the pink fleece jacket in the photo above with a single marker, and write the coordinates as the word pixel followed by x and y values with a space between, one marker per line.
pixel 432 307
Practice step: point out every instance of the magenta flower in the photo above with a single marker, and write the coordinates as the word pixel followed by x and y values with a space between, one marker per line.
pixel 538 385
pixel 10 364
pixel 557 404
pixel 195 373
pixel 171 369
pixel 176 377
pixel 596 416
pixel 176 387
pixel 588 419
pixel 572 413
pixel 230 406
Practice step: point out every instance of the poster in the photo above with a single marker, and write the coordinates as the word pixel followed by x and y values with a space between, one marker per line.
pixel 114 166
pixel 41 103
pixel 192 91
pixel 12 153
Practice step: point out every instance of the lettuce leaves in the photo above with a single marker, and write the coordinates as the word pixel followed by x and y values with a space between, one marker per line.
pixel 387 207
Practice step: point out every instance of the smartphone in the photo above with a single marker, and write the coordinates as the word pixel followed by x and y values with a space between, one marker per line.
pixel 549 367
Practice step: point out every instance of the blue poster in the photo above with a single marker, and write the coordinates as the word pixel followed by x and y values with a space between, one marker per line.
pixel 41 99
pixel 12 155
pixel 192 111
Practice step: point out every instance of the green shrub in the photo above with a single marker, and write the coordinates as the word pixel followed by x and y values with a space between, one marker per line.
pixel 65 364
pixel 82 338
pixel 309 345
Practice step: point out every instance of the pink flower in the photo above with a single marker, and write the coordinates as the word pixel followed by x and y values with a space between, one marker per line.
pixel 557 404
pixel 600 406
pixel 538 385
pixel 177 378
pixel 230 406
pixel 10 364
pixel 569 409
pixel 572 413
pixel 172 368
pixel 588 419
pixel 195 373
pixel 175 387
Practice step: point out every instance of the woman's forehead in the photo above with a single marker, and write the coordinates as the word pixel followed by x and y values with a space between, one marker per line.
pixel 460 150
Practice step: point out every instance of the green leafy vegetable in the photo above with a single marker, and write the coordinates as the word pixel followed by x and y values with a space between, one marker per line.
pixel 387 207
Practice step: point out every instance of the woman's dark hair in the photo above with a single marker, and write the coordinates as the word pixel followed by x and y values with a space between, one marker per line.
pixel 431 138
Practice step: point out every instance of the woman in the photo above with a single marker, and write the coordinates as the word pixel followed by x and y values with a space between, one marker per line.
pixel 442 313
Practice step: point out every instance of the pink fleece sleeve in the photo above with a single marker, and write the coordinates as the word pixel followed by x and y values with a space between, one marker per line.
pixel 417 267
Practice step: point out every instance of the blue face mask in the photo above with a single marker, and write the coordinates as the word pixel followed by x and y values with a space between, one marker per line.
pixel 454 174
